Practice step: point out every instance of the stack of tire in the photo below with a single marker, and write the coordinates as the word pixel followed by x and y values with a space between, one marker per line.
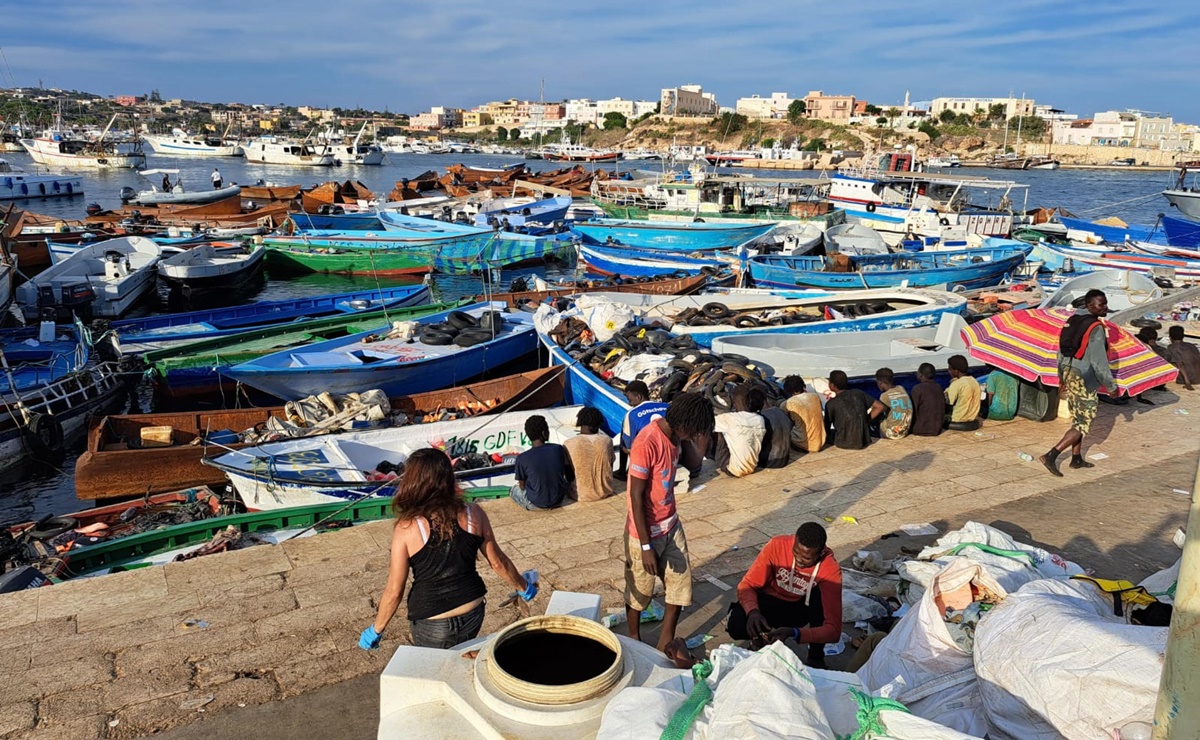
pixel 462 329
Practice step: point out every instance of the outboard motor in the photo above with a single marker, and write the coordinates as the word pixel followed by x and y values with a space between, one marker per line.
pixel 115 265
pixel 94 209
pixel 127 194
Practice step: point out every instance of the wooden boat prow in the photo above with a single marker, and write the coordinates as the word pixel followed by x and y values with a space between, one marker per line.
pixel 671 286
pixel 109 469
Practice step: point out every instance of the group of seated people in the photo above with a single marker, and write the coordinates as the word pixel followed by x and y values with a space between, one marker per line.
pixel 752 434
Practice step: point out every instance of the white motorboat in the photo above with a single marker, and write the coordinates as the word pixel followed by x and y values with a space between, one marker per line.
pixel 1182 196
pixel 182 144
pixel 357 152
pixel 859 353
pixel 1123 288
pixel 267 150
pixel 105 279
pixel 854 239
pixel 16 183
pixel 176 195
pixel 793 238
pixel 59 148
pixel 943 162
pixel 212 266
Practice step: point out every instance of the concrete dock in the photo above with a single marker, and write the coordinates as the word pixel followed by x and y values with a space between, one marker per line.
pixel 229 641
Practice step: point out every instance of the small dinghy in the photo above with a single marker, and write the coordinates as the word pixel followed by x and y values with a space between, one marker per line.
pixel 212 266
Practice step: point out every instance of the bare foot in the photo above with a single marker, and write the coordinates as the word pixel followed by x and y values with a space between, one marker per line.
pixel 1051 465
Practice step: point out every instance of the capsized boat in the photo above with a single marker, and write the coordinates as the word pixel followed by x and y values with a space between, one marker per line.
pixel 117 465
pixel 213 266
pixel 858 353
pixel 162 330
pixel 962 269
pixel 432 352
pixel 671 236
pixel 304 472
pixel 105 279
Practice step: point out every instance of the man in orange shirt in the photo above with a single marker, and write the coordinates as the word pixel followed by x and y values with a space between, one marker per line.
pixel 793 590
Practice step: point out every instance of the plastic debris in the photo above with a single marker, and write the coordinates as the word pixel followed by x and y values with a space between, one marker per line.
pixel 615 617
pixel 984 435
pixel 196 702
pixel 114 722
pixel 717 582
pixel 1025 456
pixel 1098 456
pixel 849 519
pixel 194 624
pixel 734 548
pixel 1181 412
pixel 696 641
pixel 916 530
pixel 839 647
pixel 1181 492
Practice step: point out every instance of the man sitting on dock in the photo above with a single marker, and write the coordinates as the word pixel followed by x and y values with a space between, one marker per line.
pixel 739 433
pixel 808 419
pixel 1184 356
pixel 591 456
pixel 544 471
pixel 793 590
pixel 894 409
pixel 929 403
pixel 848 414
pixel 963 397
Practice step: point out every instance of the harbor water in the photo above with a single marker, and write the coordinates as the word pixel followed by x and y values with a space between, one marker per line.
pixel 38 489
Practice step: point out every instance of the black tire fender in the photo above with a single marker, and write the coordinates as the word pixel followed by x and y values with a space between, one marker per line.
pixel 437 338
pixel 461 320
pixel 716 310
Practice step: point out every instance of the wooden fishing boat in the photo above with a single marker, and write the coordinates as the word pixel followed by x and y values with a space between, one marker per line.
pixel 164 330
pixel 523 211
pixel 25 234
pixel 461 174
pixel 160 546
pixel 114 465
pixel 957 269
pixel 198 369
pixel 676 236
pixel 432 356
pixel 624 262
pixel 271 193
pixel 349 192
pixel 1123 288
pixel 303 472
pixel 118 516
pixel 668 286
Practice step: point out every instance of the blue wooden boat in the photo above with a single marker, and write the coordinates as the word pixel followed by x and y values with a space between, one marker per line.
pixel 629 262
pixel 516 213
pixel 959 268
pixel 759 311
pixel 32 363
pixel 337 221
pixel 152 332
pixel 678 236
pixel 395 365
pixel 1117 234
pixel 581 387
pixel 1181 232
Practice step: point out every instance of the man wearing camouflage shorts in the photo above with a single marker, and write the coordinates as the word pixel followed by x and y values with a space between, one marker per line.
pixel 1082 369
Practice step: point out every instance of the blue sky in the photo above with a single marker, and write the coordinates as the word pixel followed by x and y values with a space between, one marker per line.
pixel 1078 56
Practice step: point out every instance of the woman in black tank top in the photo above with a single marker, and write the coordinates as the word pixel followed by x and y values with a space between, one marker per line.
pixel 438 537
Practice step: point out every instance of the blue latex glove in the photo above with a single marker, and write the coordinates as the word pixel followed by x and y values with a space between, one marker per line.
pixel 369 640
pixel 531 589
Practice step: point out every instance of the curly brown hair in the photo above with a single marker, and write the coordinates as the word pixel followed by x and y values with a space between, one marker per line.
pixel 428 489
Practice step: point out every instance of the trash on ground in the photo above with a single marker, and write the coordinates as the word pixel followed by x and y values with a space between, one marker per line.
pixel 194 624
pixel 1024 457
pixel 839 647
pixel 1181 412
pixel 615 617
pixel 1182 492
pixel 917 530
pixel 717 582
pixel 1098 456
pixel 196 702
pixel 696 641
pixel 848 519
pixel 699 488
pixel 984 435
pixel 871 561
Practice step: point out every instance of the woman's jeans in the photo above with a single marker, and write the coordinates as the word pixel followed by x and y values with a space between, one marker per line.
pixel 448 632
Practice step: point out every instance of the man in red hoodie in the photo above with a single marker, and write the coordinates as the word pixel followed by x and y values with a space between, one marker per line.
pixel 793 589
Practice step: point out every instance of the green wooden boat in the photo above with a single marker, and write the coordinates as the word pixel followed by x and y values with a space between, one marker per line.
pixel 195 369
pixel 408 260
pixel 136 551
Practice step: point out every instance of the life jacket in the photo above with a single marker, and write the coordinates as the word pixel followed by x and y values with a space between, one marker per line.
pixel 1073 340
pixel 1123 593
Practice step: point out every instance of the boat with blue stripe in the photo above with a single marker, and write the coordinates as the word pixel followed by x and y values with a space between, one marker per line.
pixel 366 221
pixel 671 236
pixel 632 263
pixel 955 269
pixel 1115 234
pixel 154 332
pixel 423 355
pixel 521 212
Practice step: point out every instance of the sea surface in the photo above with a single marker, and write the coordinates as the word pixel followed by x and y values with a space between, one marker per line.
pixel 38 489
